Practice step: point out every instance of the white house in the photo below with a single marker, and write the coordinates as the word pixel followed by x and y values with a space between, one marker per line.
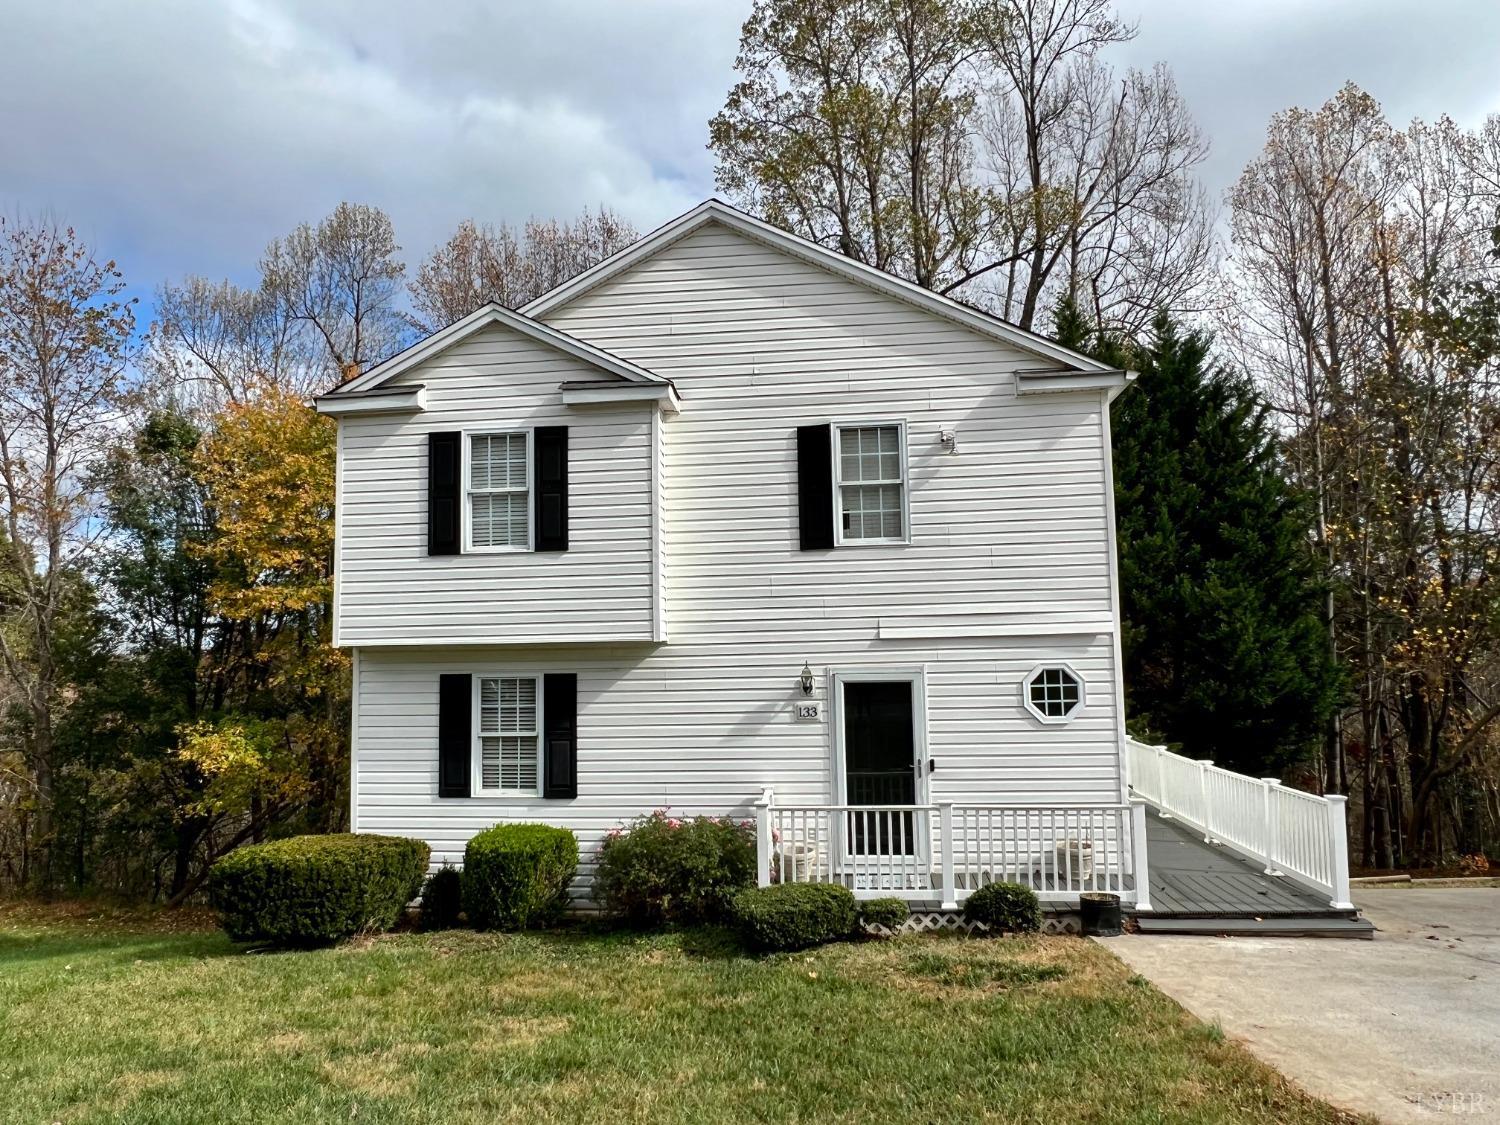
pixel 733 524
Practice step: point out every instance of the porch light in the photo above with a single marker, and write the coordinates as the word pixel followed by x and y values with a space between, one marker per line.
pixel 806 679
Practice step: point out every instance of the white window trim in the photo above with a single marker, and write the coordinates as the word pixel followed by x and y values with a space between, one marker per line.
pixel 476 747
pixel 1042 717
pixel 838 484
pixel 468 507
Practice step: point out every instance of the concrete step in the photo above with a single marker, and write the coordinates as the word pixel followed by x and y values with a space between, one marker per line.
pixel 1347 926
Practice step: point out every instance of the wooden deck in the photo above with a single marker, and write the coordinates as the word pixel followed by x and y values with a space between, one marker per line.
pixel 1192 879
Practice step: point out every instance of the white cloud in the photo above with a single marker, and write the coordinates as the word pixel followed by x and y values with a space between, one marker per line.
pixel 180 136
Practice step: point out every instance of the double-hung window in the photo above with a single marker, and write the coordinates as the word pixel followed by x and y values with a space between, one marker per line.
pixel 509 747
pixel 870 483
pixel 499 484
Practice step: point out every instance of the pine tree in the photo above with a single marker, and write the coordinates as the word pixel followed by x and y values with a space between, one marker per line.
pixel 1225 651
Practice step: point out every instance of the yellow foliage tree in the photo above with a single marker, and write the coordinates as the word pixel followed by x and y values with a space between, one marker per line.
pixel 268 464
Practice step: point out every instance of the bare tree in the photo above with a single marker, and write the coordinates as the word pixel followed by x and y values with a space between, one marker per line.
pixel 64 343
pixel 224 342
pixel 1098 174
pixel 1305 218
pixel 980 148
pixel 341 279
pixel 1355 247
pixel 479 264
pixel 850 125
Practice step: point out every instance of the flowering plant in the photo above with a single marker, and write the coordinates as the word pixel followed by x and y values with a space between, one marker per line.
pixel 667 869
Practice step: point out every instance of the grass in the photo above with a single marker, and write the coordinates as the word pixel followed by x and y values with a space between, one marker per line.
pixel 136 1018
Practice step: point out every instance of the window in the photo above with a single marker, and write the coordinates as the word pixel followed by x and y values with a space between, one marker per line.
pixel 500 491
pixel 508 743
pixel 871 484
pixel 1053 693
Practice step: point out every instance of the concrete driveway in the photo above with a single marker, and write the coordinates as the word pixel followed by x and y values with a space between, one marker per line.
pixel 1405 1027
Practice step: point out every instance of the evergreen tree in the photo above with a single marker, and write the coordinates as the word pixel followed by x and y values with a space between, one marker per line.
pixel 1225 651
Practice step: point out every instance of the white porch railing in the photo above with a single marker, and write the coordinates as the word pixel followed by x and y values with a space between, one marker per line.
pixel 939 853
pixel 1296 834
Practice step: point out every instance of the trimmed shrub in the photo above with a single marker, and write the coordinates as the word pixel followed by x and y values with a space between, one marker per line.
pixel 441 899
pixel 661 869
pixel 795 915
pixel 891 913
pixel 517 875
pixel 1007 907
pixel 307 890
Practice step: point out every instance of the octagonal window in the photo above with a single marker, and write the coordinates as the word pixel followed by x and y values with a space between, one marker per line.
pixel 1053 693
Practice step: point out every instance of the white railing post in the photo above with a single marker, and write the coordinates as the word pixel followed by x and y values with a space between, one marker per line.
pixel 1269 822
pixel 1338 846
pixel 1138 861
pixel 1203 818
pixel 763 837
pixel 945 844
pixel 1157 793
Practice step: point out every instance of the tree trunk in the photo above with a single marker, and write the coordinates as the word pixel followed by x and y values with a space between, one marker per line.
pixel 189 832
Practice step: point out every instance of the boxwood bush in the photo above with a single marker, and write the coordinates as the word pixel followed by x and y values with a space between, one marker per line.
pixel 308 890
pixel 517 875
pixel 441 901
pixel 891 913
pixel 795 915
pixel 1005 907
pixel 663 869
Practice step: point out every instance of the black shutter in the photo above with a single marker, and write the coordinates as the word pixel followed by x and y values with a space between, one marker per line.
pixel 444 459
pixel 551 467
pixel 560 737
pixel 455 733
pixel 815 487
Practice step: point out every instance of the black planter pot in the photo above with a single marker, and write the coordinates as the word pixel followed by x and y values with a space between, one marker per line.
pixel 1099 913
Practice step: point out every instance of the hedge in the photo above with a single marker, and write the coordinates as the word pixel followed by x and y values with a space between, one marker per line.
pixel 517 875
pixel 1005 907
pixel 795 915
pixel 308 890
pixel 891 913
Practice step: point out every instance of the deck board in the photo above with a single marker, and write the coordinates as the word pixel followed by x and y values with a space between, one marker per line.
pixel 1191 877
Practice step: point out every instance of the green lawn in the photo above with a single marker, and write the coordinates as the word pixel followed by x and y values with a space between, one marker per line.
pixel 140 1018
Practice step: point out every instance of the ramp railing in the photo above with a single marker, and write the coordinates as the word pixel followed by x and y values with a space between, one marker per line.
pixel 1292 833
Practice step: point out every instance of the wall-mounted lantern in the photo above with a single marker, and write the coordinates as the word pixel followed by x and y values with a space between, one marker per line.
pixel 806 679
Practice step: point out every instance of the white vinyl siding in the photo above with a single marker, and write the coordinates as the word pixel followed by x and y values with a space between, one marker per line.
pixel 499 491
pixel 601 589
pixel 1012 528
pixel 1011 533
pixel 702 727
pixel 509 749
pixel 870 483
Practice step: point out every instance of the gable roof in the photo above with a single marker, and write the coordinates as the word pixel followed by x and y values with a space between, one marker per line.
pixel 368 384
pixel 717 211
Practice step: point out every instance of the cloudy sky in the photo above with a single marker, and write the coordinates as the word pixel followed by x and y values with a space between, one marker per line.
pixel 181 135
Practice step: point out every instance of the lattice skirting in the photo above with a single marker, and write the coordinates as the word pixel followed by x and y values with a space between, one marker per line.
pixel 953 921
